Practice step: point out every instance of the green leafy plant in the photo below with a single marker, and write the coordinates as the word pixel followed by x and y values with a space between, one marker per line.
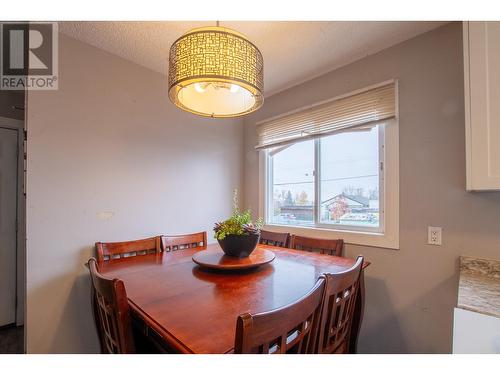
pixel 240 223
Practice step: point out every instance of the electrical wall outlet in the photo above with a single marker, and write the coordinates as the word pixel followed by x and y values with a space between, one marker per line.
pixel 434 236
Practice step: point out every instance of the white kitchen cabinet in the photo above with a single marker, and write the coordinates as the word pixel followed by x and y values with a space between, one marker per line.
pixel 475 333
pixel 482 104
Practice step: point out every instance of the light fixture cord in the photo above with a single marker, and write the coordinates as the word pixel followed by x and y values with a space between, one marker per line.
pixel 217 23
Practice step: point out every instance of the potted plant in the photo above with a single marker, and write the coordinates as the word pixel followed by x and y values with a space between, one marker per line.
pixel 238 236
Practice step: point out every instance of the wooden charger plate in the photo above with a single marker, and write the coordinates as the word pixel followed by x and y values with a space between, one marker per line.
pixel 221 261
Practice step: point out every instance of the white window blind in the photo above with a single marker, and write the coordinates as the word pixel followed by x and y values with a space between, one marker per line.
pixel 355 111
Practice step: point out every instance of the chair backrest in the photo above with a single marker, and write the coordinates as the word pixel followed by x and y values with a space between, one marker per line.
pixel 112 312
pixel 338 309
pixel 274 238
pixel 323 246
pixel 290 329
pixel 108 251
pixel 183 241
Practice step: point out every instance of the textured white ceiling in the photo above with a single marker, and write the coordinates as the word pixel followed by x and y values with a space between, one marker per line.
pixel 293 51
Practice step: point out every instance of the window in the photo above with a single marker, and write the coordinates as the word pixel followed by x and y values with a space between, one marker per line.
pixel 347 182
pixel 293 184
pixel 334 178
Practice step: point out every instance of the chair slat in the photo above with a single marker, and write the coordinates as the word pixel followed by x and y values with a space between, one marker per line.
pixel 263 330
pixel 109 251
pixel 338 309
pixel 319 245
pixel 113 316
pixel 183 241
pixel 274 238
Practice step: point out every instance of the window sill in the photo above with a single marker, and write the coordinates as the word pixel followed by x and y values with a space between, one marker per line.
pixel 372 239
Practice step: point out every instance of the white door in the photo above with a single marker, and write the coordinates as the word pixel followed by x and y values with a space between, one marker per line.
pixel 8 218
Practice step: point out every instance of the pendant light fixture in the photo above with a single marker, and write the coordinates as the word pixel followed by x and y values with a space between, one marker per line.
pixel 216 72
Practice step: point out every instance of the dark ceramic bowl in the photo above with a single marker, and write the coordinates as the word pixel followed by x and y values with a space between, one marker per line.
pixel 240 246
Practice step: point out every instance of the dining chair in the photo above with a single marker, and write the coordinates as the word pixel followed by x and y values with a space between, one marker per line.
pixel 274 238
pixel 183 241
pixel 108 251
pixel 338 310
pixel 111 313
pixel 289 329
pixel 323 246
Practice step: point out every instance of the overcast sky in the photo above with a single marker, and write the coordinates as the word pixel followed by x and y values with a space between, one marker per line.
pixel 347 160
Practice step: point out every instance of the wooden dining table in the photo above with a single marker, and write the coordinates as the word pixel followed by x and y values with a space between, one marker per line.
pixel 189 309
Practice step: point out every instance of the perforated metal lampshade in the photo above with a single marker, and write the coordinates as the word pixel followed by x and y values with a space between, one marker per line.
pixel 215 72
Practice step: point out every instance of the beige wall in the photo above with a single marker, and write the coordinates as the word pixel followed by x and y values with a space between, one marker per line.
pixel 411 292
pixel 109 142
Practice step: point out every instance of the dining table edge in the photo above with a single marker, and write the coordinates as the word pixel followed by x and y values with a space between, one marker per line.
pixel 167 336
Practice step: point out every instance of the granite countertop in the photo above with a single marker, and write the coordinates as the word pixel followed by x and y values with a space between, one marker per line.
pixel 479 286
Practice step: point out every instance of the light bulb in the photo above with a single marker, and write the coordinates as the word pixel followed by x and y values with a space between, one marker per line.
pixel 234 88
pixel 199 88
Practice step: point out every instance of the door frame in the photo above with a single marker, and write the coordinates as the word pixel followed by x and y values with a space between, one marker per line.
pixel 18 125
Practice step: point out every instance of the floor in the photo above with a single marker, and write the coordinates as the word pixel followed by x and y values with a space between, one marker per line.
pixel 11 340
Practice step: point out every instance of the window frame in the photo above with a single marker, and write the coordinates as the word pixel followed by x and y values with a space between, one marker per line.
pixel 386 236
